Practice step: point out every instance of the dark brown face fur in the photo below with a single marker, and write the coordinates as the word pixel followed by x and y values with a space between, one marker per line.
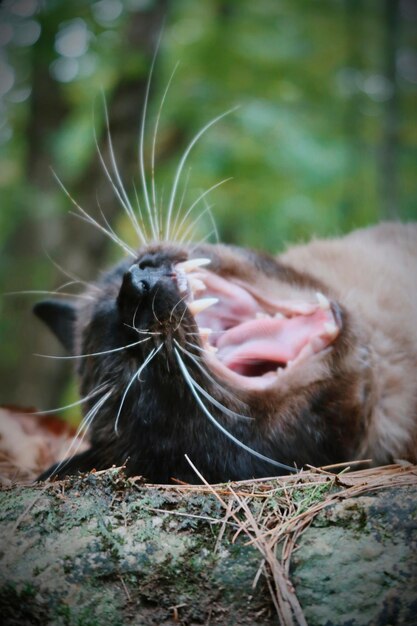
pixel 151 416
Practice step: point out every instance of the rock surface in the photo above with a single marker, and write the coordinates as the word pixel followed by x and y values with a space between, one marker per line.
pixel 357 563
pixel 103 551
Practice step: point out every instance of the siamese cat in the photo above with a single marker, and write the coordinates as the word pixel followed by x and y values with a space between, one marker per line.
pixel 246 364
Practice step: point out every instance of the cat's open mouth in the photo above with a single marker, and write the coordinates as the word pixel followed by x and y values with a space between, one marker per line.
pixel 251 338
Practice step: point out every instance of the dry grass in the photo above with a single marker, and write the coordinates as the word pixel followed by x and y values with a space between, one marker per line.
pixel 285 507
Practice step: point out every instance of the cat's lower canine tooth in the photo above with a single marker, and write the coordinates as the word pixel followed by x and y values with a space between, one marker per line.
pixel 197 306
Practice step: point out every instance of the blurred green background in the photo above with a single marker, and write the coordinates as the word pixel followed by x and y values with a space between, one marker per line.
pixel 324 138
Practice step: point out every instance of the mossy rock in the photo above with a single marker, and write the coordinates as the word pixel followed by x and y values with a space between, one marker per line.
pixel 101 551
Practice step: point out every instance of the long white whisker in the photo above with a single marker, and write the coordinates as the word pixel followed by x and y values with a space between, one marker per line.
pixel 153 225
pixel 119 188
pixel 193 224
pixel 203 240
pixel 86 217
pixel 181 203
pixel 155 135
pixel 175 228
pixel 84 356
pixel 141 331
pixel 85 424
pixel 181 167
pixel 141 217
pixel 69 283
pixel 213 223
pixel 73 404
pixel 153 307
pixel 208 396
pixel 192 386
pixel 196 359
pixel 44 292
pixel 136 375
pixel 175 306
pixel 71 275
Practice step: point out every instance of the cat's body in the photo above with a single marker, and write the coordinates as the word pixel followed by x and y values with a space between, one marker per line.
pixel 310 357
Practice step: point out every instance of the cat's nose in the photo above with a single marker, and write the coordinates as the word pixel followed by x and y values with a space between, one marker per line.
pixel 137 282
pixel 148 294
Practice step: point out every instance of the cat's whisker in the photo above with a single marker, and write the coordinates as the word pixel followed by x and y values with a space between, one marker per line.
pixel 193 386
pixel 175 306
pixel 110 229
pixel 65 285
pixel 142 331
pixel 152 217
pixel 208 396
pixel 85 356
pixel 181 165
pixel 141 217
pixel 214 230
pixel 154 139
pixel 199 360
pixel 199 348
pixel 181 203
pixel 134 317
pixel 203 240
pixel 84 426
pixel 153 308
pixel 180 320
pixel 44 292
pixel 203 195
pixel 90 220
pixel 71 275
pixel 119 189
pixel 189 231
pixel 136 375
pixel 73 404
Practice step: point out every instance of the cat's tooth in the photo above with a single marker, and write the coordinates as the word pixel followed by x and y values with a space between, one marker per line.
pixel 191 264
pixel 331 329
pixel 196 284
pixel 204 336
pixel 324 302
pixel 197 306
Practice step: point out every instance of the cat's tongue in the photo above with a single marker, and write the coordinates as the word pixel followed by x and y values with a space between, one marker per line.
pixel 269 340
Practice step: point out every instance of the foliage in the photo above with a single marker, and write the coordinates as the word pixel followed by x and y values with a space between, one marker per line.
pixel 324 138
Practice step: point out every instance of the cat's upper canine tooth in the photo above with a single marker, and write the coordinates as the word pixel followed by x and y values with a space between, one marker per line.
pixel 324 302
pixel 191 264
pixel 197 306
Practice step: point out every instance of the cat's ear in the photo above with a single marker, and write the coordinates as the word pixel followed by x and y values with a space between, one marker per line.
pixel 60 318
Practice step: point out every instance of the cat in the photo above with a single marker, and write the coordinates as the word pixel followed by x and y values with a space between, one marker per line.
pixel 245 364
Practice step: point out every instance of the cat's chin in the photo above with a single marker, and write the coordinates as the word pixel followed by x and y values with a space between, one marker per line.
pixel 250 340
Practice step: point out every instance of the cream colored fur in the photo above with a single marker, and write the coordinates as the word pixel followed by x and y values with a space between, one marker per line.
pixel 373 274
